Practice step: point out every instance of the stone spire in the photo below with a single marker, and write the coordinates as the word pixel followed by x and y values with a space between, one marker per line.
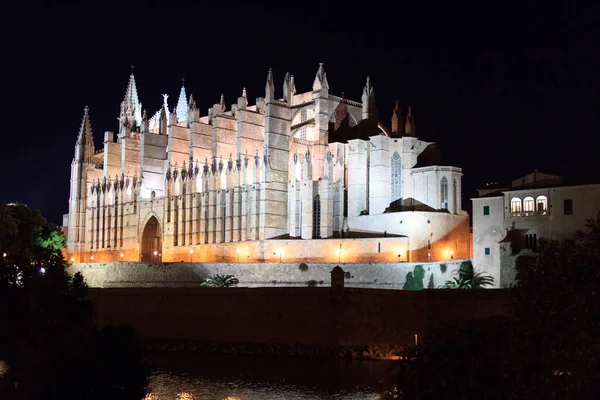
pixel 269 87
pixel 397 125
pixel 243 100
pixel 409 127
pixel 85 131
pixel 320 79
pixel 132 101
pixel 182 107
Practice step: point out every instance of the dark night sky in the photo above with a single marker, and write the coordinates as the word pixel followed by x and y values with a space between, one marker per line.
pixel 503 89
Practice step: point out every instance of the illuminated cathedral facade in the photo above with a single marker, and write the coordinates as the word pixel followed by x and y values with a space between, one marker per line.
pixel 297 176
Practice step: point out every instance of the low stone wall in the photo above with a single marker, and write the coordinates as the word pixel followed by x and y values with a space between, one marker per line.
pixel 313 322
pixel 182 274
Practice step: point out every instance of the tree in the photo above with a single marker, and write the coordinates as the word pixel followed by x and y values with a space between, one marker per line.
pixel 8 223
pixel 48 340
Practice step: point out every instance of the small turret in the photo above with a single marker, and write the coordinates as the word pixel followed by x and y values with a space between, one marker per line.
pixel 397 123
pixel 288 88
pixel 409 127
pixel 243 100
pixel 369 110
pixel 320 82
pixel 269 87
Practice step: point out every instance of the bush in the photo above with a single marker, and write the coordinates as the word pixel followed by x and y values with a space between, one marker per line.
pixel 347 275
pixel 311 283
pixel 443 268
pixel 303 267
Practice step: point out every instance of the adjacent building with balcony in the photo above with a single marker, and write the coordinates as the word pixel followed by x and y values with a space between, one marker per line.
pixel 509 220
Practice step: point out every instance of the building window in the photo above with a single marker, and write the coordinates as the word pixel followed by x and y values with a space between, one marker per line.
pixel 486 210
pixel 515 206
pixel 303 118
pixel 542 205
pixel 316 233
pixel 528 205
pixel 444 192
pixel 568 206
pixel 487 251
pixel 531 241
pixel 396 177
pixel 457 198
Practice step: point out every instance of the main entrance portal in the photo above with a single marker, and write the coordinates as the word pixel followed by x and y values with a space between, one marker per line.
pixel 151 241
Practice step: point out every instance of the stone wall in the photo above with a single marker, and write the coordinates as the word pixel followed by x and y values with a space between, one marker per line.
pixel 293 317
pixel 186 274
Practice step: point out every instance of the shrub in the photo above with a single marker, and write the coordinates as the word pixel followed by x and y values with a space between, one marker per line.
pixel 347 275
pixel 414 279
pixel 443 268
pixel 220 281
pixel 430 284
pixel 303 267
pixel 311 283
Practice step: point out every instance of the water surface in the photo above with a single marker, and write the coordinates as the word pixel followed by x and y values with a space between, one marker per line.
pixel 187 376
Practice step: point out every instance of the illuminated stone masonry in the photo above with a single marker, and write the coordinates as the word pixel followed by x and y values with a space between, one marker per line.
pixel 317 171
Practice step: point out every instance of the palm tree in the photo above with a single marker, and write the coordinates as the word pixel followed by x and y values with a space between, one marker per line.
pixel 220 281
pixel 468 278
pixel 8 222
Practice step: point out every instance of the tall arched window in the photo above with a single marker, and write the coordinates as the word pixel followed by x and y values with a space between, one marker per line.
pixel 316 233
pixel 303 118
pixel 515 206
pixel 528 205
pixel 396 178
pixel 444 193
pixel 456 198
pixel 541 204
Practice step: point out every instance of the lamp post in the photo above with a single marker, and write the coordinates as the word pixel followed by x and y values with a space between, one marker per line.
pixel 238 254
pixel 280 254
pixel 191 254
pixel 451 254
pixel 92 258
pixel 340 254
pixel 122 255
pixel 155 254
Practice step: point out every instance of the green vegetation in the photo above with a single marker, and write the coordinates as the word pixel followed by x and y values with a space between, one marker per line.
pixel 220 281
pixel 430 285
pixel 468 279
pixel 311 283
pixel 49 344
pixel 414 280
pixel 347 275
pixel 443 268
pixel 303 267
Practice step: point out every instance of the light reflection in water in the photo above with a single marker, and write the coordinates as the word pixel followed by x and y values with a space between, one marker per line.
pixel 185 376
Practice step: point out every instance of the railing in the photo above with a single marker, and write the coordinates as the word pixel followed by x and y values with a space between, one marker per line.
pixel 528 213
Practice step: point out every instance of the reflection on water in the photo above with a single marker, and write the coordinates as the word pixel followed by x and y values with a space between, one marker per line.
pixel 189 376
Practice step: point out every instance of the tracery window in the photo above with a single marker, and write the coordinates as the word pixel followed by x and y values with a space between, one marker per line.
pixel 444 193
pixel 515 206
pixel 316 233
pixel 303 118
pixel 396 178
pixel 542 205
pixel 456 198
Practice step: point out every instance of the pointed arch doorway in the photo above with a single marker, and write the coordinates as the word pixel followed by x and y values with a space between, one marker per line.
pixel 151 241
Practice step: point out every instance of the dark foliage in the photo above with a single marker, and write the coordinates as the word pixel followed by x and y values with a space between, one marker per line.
pixel 47 335
pixel 548 350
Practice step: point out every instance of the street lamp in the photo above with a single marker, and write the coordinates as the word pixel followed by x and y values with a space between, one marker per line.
pixel 155 253
pixel 280 254
pixel 4 255
pixel 191 254
pixel 238 254
pixel 340 254
pixel 92 258
pixel 428 257
pixel 122 255
pixel 451 254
